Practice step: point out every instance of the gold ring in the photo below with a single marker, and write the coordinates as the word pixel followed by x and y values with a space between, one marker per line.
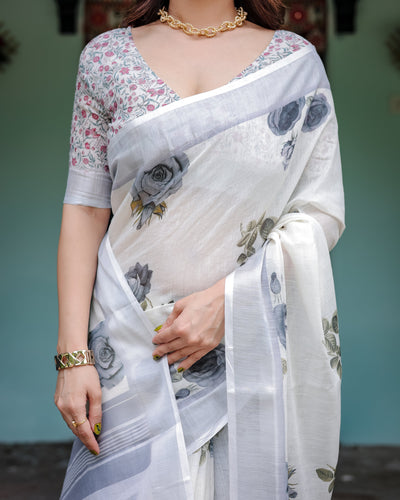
pixel 77 424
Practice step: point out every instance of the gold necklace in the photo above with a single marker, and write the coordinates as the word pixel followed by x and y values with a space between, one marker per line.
pixel 209 32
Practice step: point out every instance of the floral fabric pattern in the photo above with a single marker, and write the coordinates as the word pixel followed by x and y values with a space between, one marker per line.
pixel 209 369
pixel 331 341
pixel 317 113
pixel 284 119
pixel 152 187
pixel 255 230
pixel 108 365
pixel 328 476
pixel 280 313
pixel 287 151
pixel 139 281
pixel 204 374
pixel 291 491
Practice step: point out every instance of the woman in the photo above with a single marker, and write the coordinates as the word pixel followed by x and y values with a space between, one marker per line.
pixel 212 318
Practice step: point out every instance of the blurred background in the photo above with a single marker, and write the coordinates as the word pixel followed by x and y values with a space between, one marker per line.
pixel 37 83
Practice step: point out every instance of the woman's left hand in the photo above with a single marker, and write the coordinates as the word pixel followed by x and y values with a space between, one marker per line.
pixel 195 327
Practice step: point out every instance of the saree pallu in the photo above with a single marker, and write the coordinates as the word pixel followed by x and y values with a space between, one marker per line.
pixel 242 182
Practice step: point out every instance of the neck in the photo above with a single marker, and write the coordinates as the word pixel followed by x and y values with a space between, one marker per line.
pixel 202 13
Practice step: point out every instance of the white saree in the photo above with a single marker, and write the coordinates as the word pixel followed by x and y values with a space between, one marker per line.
pixel 242 182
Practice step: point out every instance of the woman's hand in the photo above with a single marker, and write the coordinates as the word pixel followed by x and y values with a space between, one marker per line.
pixel 76 386
pixel 195 327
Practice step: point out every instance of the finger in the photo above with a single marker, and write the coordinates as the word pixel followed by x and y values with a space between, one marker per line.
pixel 95 412
pixel 71 412
pixel 167 348
pixel 85 434
pixel 170 319
pixel 69 407
pixel 192 359
pixel 166 336
pixel 176 311
pixel 180 354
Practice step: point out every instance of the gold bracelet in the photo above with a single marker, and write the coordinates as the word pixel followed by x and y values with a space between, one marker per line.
pixel 75 358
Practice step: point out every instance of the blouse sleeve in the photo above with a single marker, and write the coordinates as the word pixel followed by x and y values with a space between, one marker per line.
pixel 89 181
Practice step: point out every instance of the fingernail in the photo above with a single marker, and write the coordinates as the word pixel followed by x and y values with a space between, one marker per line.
pixel 156 357
pixel 93 452
pixel 180 369
pixel 97 429
pixel 157 328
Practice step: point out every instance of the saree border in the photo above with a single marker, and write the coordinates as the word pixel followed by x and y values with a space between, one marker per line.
pixel 134 121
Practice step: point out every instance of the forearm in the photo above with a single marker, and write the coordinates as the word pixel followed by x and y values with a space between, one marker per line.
pixel 82 230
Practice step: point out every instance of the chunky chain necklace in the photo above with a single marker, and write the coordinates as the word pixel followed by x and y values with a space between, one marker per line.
pixel 211 31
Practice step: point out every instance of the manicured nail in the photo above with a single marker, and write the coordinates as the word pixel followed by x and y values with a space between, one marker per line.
pixel 156 357
pixel 157 328
pixel 180 369
pixel 93 452
pixel 97 429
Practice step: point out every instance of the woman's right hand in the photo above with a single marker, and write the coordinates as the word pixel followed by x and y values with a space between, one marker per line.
pixel 75 387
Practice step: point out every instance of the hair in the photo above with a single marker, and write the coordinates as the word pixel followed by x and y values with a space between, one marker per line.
pixel 266 13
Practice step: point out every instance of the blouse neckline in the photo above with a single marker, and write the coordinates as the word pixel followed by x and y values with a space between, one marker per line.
pixel 242 73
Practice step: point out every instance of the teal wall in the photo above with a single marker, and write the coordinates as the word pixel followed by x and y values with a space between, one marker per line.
pixel 36 94
pixel 366 261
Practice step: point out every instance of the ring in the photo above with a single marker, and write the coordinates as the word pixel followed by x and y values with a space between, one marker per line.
pixel 77 424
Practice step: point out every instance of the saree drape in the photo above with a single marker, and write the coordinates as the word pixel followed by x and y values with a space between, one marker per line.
pixel 242 182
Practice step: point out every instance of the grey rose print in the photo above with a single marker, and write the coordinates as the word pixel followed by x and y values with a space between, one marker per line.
pixel 153 186
pixel 328 476
pixel 261 227
pixel 284 119
pixel 209 370
pixel 139 281
pixel 331 342
pixel 108 365
pixel 317 113
pixel 287 151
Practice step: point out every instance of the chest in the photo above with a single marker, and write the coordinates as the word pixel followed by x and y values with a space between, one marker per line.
pixel 189 74
pixel 192 65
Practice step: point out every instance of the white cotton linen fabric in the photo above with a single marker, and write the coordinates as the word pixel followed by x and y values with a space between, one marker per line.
pixel 242 182
pixel 297 253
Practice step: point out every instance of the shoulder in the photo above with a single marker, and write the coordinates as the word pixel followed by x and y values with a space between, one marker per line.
pixel 285 43
pixel 311 62
pixel 107 46
pixel 104 53
pixel 290 41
